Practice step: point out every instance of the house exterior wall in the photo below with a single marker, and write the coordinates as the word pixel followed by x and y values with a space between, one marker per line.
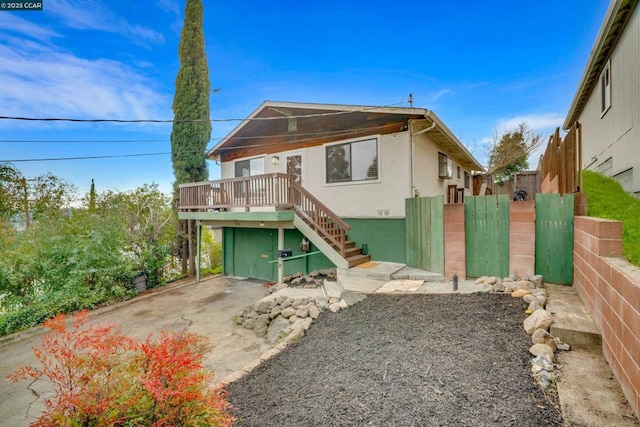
pixel 613 140
pixel 427 181
pixel 381 198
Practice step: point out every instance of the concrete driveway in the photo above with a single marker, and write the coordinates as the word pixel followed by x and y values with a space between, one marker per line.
pixel 206 308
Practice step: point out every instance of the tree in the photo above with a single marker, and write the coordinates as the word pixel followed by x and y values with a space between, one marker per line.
pixel 191 126
pixel 12 193
pixel 509 152
pixel 50 195
pixel 92 197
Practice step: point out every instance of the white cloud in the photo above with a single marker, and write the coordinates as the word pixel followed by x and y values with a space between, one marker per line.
pixel 170 6
pixel 43 82
pixel 94 15
pixel 10 22
pixel 536 122
pixel 543 124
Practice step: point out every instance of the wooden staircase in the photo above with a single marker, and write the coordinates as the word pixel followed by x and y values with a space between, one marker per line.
pixel 327 226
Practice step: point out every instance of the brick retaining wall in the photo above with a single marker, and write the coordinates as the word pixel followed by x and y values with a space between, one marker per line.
pixel 610 287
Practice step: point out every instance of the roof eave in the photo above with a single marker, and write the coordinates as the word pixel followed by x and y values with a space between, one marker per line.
pixel 605 43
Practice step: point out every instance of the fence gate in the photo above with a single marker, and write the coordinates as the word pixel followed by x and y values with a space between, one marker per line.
pixel 554 238
pixel 487 235
pixel 425 233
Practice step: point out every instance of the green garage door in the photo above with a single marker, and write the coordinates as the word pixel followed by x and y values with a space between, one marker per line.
pixel 253 248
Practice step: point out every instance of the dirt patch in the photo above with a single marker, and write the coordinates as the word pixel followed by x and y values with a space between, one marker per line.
pixel 434 360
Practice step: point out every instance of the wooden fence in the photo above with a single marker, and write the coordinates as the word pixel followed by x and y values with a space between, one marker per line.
pixel 561 162
pixel 425 233
pixel 529 181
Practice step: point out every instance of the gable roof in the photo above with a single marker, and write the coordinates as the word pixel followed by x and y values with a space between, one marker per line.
pixel 614 23
pixel 280 126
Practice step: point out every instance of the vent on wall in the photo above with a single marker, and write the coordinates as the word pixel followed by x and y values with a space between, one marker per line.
pixel 293 124
pixel 383 212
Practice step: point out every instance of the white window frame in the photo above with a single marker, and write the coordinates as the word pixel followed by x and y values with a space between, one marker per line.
pixel 446 164
pixel 605 89
pixel 264 164
pixel 352 141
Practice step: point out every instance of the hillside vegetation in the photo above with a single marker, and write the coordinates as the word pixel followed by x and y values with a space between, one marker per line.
pixel 607 199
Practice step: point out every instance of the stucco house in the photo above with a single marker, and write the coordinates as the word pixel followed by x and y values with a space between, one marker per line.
pixel 607 102
pixel 327 181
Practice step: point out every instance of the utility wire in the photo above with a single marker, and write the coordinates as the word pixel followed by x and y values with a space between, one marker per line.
pixel 114 156
pixel 76 120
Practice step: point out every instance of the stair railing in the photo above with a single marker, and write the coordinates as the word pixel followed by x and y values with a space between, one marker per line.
pixel 321 219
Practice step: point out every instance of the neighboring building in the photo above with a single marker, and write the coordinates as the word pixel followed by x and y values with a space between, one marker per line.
pixel 607 102
pixel 317 171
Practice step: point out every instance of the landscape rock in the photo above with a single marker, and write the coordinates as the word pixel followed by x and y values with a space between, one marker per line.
pixel 519 293
pixel 528 298
pixel 561 345
pixel 536 280
pixel 276 328
pixel 334 307
pixel 499 287
pixel 543 362
pixel 321 303
pixel 286 303
pixel 481 279
pixel 288 312
pixel 343 304
pixel 539 319
pixel 298 302
pixel 541 336
pixel 507 279
pixel 314 311
pixel 303 311
pixel 306 323
pixel 334 300
pixel 542 300
pixel 491 280
pixel 525 284
pixel 275 311
pixel 533 306
pixel 542 350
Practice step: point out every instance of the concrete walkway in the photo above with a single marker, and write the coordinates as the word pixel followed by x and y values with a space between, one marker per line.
pixel 206 308
pixel 589 394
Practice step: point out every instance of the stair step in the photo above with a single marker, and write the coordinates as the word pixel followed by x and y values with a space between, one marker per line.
pixel 352 251
pixel 358 259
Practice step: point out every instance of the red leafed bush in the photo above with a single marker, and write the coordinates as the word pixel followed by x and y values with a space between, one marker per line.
pixel 103 378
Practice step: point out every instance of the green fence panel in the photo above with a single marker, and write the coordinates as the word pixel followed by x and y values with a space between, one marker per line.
pixel 487 235
pixel 554 238
pixel 424 233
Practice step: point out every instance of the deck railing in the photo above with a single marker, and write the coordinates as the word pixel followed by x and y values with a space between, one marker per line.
pixel 277 190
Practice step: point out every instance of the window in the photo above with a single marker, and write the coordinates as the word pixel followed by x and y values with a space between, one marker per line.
pixel 352 161
pixel 605 89
pixel 467 183
pixel 249 167
pixel 459 171
pixel 445 166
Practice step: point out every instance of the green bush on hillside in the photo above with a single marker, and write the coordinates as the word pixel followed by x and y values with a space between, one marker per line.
pixel 607 199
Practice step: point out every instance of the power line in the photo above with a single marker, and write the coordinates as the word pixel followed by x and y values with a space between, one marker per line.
pixel 54 159
pixel 295 141
pixel 76 120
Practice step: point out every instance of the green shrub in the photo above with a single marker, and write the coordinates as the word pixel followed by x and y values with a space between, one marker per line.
pixel 607 199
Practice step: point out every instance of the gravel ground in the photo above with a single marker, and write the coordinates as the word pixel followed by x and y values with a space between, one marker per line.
pixel 416 360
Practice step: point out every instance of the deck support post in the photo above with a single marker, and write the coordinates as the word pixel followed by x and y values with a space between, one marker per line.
pixel 199 250
pixel 280 247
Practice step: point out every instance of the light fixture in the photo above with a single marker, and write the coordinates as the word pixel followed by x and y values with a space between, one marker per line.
pixel 261 223
pixel 275 160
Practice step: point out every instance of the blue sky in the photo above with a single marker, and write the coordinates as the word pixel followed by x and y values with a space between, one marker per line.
pixel 483 67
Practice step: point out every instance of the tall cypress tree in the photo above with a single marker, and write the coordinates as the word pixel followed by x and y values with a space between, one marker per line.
pixel 191 126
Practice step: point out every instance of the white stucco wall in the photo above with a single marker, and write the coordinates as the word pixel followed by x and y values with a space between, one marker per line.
pixel 615 135
pixel 381 198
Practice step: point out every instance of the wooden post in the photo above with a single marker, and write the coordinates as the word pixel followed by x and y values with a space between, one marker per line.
pixel 199 251
pixel 280 247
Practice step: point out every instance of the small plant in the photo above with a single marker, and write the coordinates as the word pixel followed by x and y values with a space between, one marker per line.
pixel 101 377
